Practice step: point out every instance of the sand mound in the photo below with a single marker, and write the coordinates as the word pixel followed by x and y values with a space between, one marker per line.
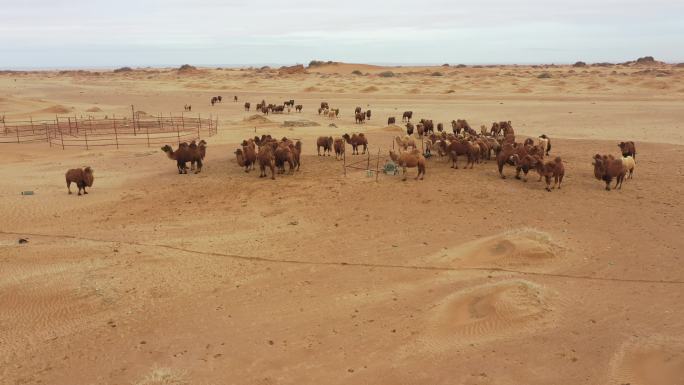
pixel 258 119
pixel 487 311
pixel 524 247
pixel 94 109
pixel 656 361
pixel 311 89
pixel 370 89
pixel 56 109
pixel 300 123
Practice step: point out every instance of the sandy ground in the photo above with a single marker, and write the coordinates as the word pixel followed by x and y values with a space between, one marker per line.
pixel 318 277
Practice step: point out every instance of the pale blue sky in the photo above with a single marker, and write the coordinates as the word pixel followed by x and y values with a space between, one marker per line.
pixel 96 33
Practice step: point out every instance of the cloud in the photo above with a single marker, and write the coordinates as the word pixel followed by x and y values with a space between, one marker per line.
pixel 231 32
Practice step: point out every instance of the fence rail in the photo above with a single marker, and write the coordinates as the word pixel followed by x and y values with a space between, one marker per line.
pixel 75 132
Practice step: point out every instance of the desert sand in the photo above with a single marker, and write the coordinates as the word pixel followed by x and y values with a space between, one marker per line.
pixel 325 278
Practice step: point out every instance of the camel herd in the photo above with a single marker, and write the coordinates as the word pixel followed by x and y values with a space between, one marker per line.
pixel 497 142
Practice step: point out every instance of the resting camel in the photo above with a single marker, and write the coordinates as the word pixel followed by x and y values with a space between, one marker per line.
pixel 410 159
pixel 356 140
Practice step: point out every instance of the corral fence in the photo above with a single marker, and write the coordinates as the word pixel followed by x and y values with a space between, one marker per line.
pixel 90 132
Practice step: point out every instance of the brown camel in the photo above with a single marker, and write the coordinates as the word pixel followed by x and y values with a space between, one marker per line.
pixel 410 159
pixel 326 143
pixel 183 155
pixel 82 177
pixel 357 140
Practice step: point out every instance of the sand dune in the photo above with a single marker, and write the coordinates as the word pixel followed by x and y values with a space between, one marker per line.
pixel 488 311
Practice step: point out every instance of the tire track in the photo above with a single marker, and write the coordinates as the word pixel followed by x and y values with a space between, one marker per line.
pixel 354 264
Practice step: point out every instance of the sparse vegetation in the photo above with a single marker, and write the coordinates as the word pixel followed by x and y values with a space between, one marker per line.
pixel 580 64
pixel 544 75
pixel 387 74
pixel 318 63
pixel 436 73
pixel 357 72
pixel 123 69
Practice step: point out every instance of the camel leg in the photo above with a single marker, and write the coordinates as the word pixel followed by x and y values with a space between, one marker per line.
pixel 69 187
pixel 199 166
pixel 517 173
pixel 608 185
pixel 404 168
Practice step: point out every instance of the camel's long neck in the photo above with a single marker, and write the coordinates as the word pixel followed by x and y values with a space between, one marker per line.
pixel 172 155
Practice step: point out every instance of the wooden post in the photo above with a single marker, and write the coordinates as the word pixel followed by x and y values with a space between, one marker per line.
pixel 344 159
pixel 47 132
pixel 377 166
pixel 76 123
pixel 69 120
pixel 147 128
pixel 178 133
pixel 133 116
pixel 199 135
pixel 16 128
pixel 368 163
pixel 61 136
pixel 33 130
pixel 116 135
pixel 199 121
pixel 90 123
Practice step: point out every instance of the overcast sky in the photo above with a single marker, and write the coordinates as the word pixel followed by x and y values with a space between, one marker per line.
pixel 96 33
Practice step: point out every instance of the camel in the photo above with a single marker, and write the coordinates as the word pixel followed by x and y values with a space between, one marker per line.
pixel 409 160
pixel 82 177
pixel 266 159
pixel 183 155
pixel 326 143
pixel 338 145
pixel 404 143
pixel 284 154
pixel 200 149
pixel 296 149
pixel 247 156
pixel 356 140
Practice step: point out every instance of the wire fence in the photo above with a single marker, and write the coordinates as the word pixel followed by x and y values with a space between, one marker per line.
pixel 79 132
